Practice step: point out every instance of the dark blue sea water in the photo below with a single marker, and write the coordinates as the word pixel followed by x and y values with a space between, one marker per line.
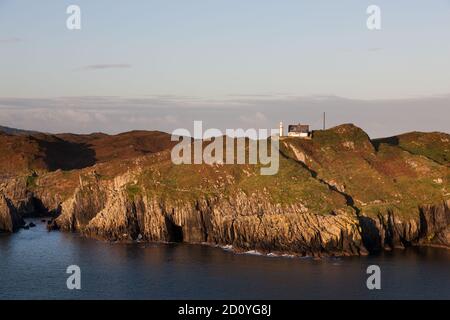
pixel 33 266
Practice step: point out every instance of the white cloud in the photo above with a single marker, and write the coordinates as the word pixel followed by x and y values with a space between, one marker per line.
pixel 254 118
pixel 165 113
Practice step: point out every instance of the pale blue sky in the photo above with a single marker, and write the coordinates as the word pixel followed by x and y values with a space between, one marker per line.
pixel 186 53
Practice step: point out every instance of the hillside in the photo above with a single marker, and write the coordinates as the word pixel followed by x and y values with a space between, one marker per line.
pixel 387 185
pixel 16 131
pixel 21 153
pixel 434 145
pixel 339 193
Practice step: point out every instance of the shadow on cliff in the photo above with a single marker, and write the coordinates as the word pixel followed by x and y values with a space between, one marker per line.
pixel 392 141
pixel 66 155
pixel 174 231
pixel 370 234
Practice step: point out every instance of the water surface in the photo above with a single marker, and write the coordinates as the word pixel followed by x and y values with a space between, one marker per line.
pixel 33 266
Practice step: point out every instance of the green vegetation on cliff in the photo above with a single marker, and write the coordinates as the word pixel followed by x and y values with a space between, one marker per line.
pixel 329 191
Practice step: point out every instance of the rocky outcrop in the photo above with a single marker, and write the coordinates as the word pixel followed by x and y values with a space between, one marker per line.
pixel 431 226
pixel 10 220
pixel 18 202
pixel 435 224
pixel 247 223
pixel 106 210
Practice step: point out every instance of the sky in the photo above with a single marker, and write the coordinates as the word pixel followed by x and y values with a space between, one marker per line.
pixel 161 64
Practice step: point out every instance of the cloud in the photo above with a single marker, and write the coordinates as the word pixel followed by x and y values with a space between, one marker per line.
pixel 254 118
pixel 107 66
pixel 10 40
pixel 114 114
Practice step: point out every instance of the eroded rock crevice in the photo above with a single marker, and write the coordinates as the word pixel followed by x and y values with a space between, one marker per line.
pixel 174 232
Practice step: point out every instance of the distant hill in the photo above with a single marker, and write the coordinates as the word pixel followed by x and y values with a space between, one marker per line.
pixel 15 131
pixel 22 151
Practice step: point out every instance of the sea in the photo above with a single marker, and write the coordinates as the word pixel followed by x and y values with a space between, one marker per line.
pixel 34 264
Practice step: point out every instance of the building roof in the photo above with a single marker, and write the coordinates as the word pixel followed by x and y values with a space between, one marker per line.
pixel 300 128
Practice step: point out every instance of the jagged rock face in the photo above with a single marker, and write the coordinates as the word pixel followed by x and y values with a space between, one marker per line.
pixel 10 221
pixel 106 211
pixel 19 199
pixel 435 224
pixel 29 203
pixel 430 227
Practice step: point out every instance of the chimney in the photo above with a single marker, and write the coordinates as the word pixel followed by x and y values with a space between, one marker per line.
pixel 281 129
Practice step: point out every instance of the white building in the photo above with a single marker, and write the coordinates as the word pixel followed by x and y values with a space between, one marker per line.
pixel 299 131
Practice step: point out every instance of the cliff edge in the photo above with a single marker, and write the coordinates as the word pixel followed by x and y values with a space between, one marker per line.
pixel 339 193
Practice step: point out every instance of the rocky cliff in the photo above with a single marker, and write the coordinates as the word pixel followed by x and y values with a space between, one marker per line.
pixel 10 220
pixel 337 194
pixel 247 222
pixel 431 226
